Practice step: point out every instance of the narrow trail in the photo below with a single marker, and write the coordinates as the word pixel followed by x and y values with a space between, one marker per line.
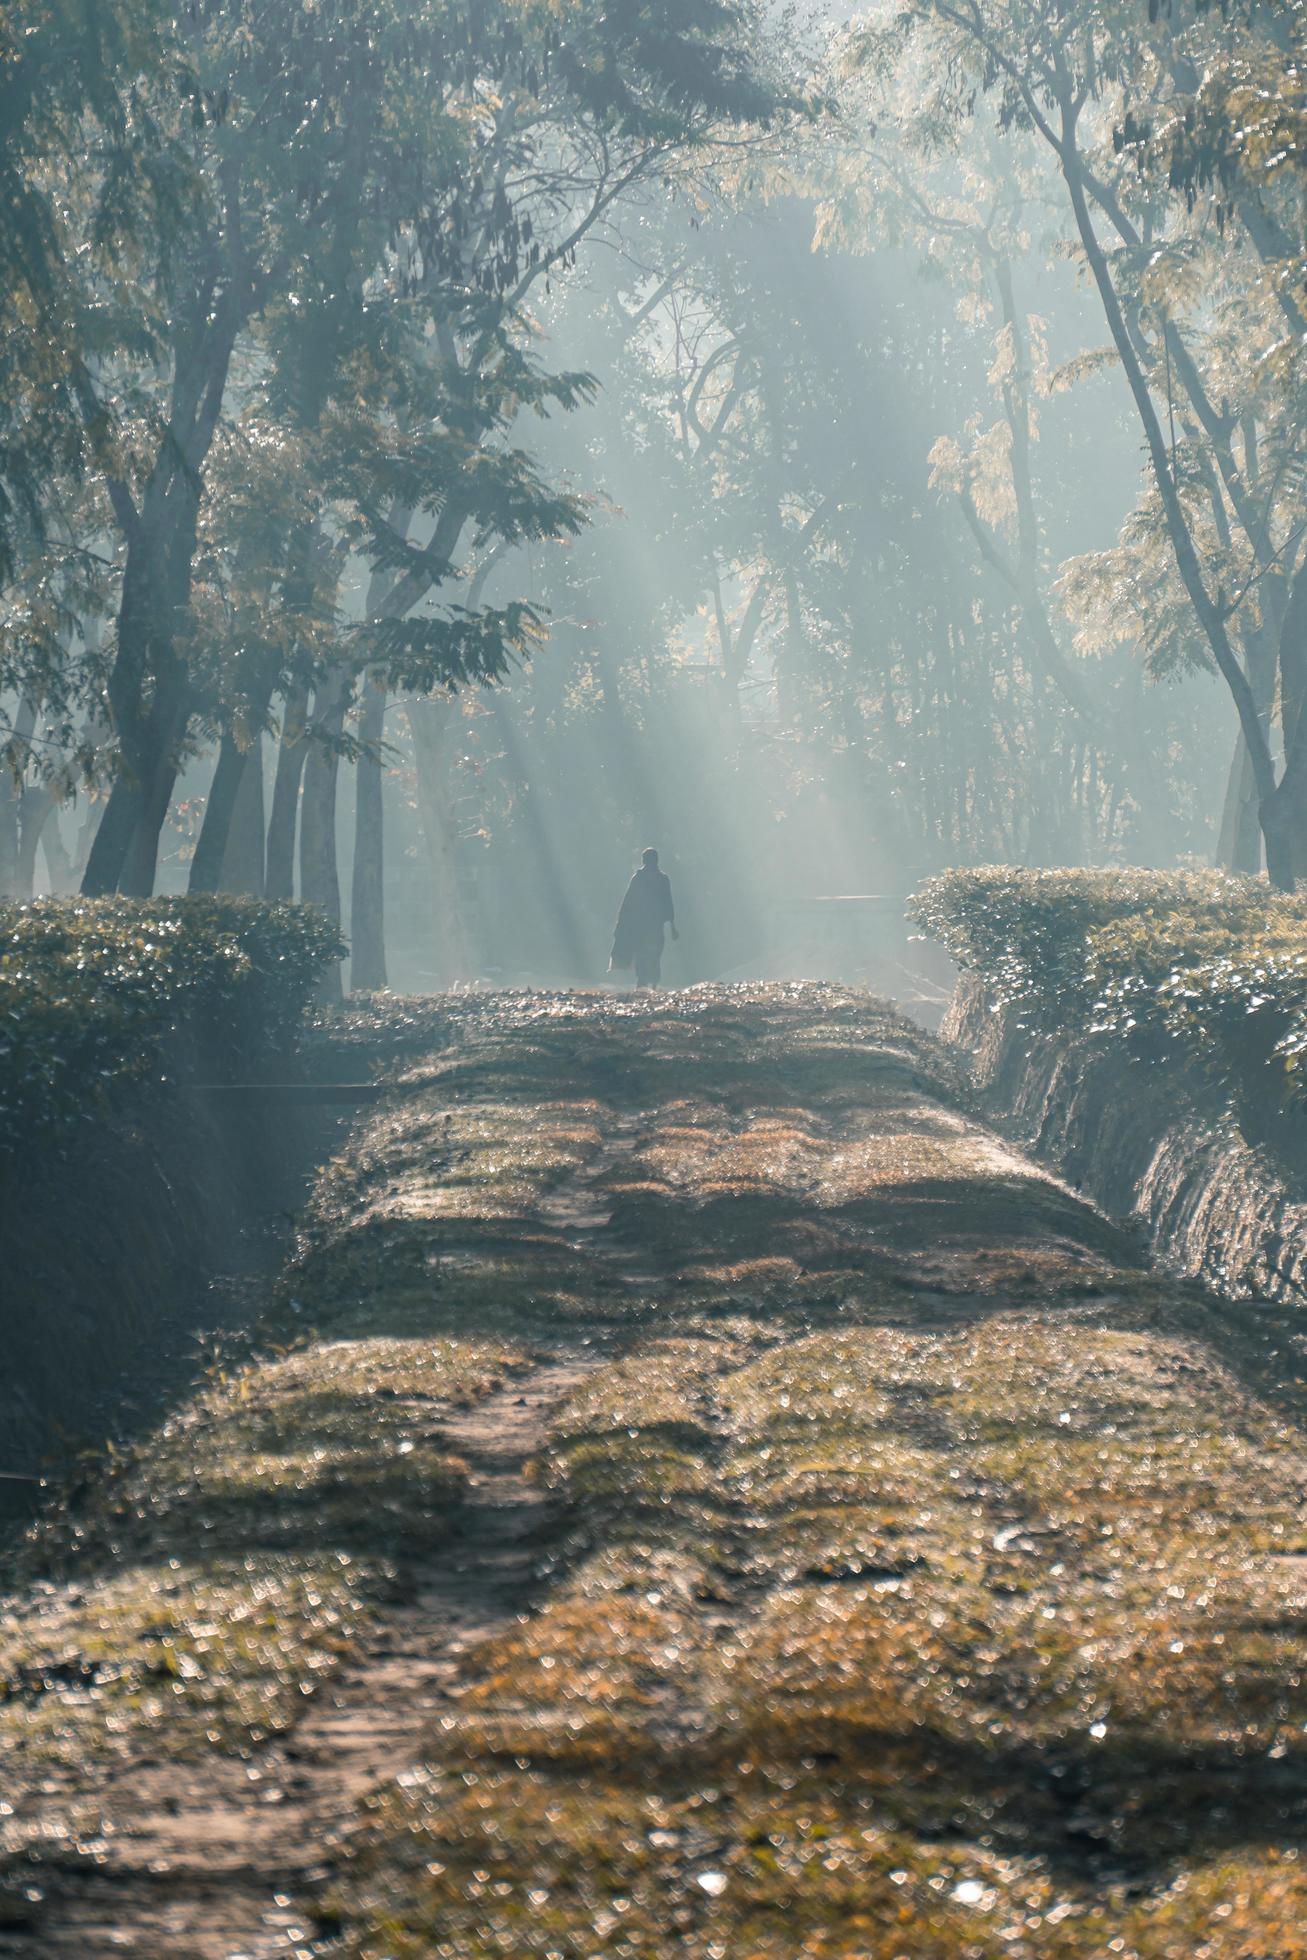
pixel 205 1861
pixel 859 1553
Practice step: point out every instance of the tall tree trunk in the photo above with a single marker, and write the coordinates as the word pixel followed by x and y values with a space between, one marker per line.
pixel 34 810
pixel 1289 813
pixel 155 599
pixel 1239 844
pixel 148 693
pixel 168 720
pixel 229 851
pixel 86 829
pixel 1241 830
pixel 319 872
pixel 367 912
pixel 57 861
pixel 292 749
pixel 243 860
pixel 8 831
pixel 112 838
pixel 11 797
pixel 1276 811
pixel 211 845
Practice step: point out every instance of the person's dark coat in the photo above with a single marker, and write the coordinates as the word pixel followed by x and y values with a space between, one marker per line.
pixel 646 911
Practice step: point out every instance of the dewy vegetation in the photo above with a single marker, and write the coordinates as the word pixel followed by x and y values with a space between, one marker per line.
pixel 916 1573
pixel 125 1186
pixel 697 1487
pixel 1170 967
pixel 109 997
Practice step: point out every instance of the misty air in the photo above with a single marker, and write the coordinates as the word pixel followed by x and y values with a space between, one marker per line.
pixel 653 980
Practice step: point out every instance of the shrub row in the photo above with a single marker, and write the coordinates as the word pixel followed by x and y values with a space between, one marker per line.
pixel 96 994
pixel 1190 964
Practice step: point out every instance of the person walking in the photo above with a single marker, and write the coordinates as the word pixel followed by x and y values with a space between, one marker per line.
pixel 646 909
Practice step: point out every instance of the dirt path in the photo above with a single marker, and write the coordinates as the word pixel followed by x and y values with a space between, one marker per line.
pixel 860 1555
pixel 204 1862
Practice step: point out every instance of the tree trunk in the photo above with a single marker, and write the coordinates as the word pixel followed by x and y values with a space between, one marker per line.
pixel 8 832
pixel 13 795
pixel 1240 824
pixel 159 531
pixel 1239 848
pixel 86 830
pixel 229 853
pixel 57 861
pixel 113 836
pixel 155 598
pixel 243 861
pixel 319 872
pixel 1292 666
pixel 166 727
pixel 279 877
pixel 34 808
pixel 211 845
pixel 367 913
pixel 1281 821
pixel 1272 807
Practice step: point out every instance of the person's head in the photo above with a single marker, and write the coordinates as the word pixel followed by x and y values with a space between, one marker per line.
pixel 649 859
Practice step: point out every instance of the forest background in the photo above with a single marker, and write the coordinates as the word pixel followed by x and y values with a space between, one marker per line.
pixel 446 445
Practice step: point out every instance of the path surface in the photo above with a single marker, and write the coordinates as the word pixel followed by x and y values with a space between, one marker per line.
pixel 718 1500
pixel 207 1858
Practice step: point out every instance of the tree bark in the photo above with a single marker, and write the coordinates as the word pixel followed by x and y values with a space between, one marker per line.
pixel 319 872
pixel 243 859
pixel 11 797
pixel 1239 842
pixel 155 597
pixel 292 749
pixel 34 809
pixel 169 717
pixel 1290 802
pixel 58 863
pixel 367 913
pixel 8 833
pixel 211 845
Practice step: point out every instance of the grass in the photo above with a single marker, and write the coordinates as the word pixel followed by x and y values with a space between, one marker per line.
pixel 205 1587
pixel 929 1578
pixel 934 1577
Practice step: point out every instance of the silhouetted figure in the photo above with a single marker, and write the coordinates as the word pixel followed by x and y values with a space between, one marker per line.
pixel 646 909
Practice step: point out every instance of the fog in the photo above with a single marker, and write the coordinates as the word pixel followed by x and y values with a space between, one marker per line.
pixel 805 444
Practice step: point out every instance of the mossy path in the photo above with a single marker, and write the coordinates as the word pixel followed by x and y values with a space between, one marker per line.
pixel 702 1494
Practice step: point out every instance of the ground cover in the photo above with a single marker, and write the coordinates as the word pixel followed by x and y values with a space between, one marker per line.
pixel 1196 968
pixel 916 1573
pixel 103 996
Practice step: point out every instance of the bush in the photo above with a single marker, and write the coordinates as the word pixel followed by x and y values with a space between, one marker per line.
pixel 1175 964
pixel 96 994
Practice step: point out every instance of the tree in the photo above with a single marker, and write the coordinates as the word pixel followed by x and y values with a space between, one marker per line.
pixel 1073 76
pixel 79 157
pixel 342 181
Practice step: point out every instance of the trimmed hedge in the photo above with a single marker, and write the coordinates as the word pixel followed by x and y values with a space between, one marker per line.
pixel 1177 964
pixel 96 994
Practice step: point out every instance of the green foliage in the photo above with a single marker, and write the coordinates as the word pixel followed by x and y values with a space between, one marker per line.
pixel 79 157
pixel 96 994
pixel 1179 964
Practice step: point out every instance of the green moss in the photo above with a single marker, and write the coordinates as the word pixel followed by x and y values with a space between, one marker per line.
pixel 924 1578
